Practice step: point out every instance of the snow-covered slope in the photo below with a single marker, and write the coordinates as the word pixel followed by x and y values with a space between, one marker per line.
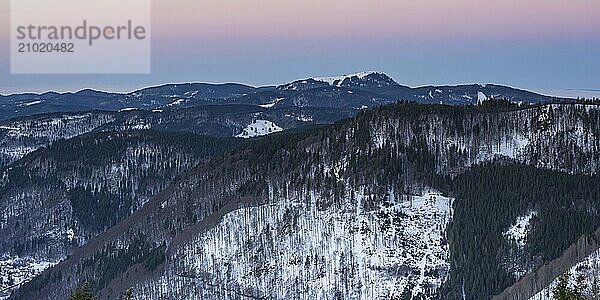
pixel 368 81
pixel 339 79
pixel 396 249
pixel 517 235
pixel 481 97
pixel 259 128
pixel 14 271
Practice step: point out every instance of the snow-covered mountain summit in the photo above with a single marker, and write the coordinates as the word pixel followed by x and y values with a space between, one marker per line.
pixel 368 78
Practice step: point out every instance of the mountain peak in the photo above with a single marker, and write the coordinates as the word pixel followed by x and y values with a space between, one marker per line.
pixel 338 79
pixel 365 78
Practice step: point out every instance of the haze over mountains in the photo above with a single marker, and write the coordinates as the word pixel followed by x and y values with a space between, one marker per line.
pixel 345 187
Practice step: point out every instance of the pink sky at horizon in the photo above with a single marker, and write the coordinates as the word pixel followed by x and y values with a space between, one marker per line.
pixel 376 18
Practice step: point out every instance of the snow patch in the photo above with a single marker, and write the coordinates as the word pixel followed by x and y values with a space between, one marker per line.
pixel 520 229
pixel 10 128
pixel 127 109
pixel 510 148
pixel 269 105
pixel 176 102
pixel 70 235
pixel 481 97
pixel 141 126
pixel 259 128
pixel 303 118
pixel 31 103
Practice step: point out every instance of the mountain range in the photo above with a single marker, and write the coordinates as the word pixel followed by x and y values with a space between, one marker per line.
pixel 354 91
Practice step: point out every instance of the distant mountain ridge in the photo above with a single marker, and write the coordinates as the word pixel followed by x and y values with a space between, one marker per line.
pixel 224 110
pixel 363 89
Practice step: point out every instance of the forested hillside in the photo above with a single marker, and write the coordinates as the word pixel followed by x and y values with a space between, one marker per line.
pixel 224 120
pixel 18 137
pixel 363 209
pixel 484 257
pixel 55 199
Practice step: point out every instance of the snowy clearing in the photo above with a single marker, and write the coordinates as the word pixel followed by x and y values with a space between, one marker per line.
pixel 518 231
pixel 259 128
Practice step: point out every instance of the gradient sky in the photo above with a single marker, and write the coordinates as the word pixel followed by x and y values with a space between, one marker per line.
pixel 543 45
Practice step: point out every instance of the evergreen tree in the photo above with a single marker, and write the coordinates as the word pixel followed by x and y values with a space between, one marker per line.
pixel 562 291
pixel 580 287
pixel 84 292
pixel 128 295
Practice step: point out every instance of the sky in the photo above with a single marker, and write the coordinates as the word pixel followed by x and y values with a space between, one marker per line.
pixel 550 46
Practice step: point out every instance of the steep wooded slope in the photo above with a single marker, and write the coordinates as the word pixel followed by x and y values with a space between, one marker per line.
pixel 56 198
